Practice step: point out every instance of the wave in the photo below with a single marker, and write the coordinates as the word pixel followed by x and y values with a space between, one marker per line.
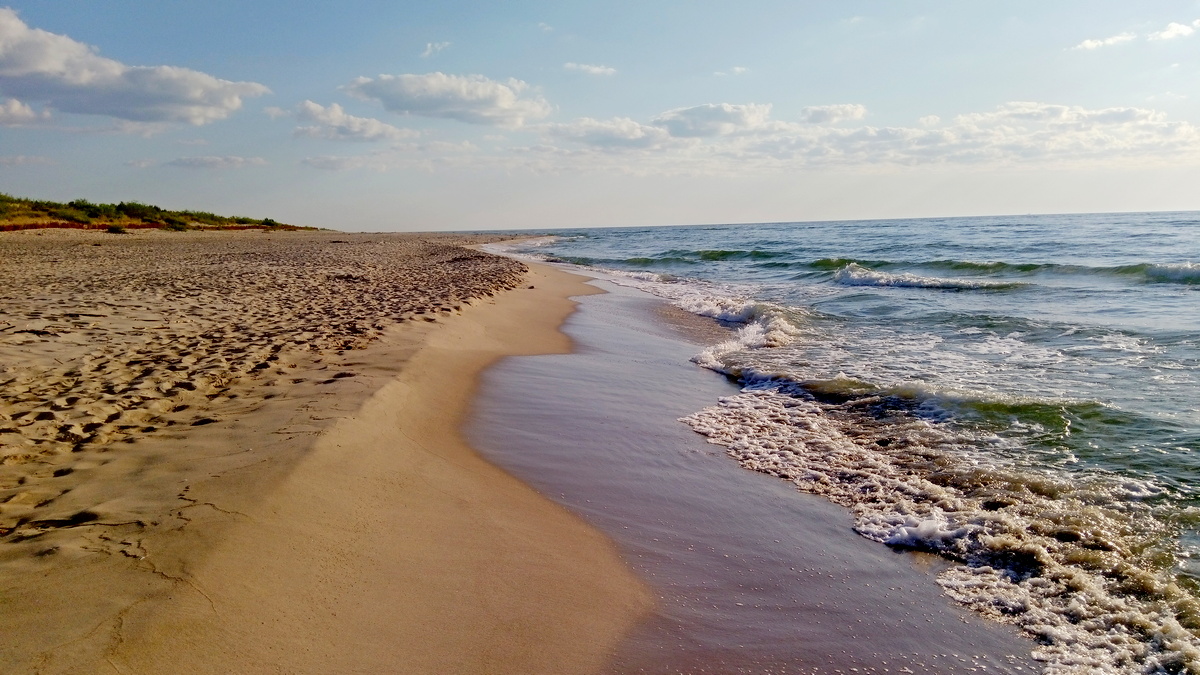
pixel 1177 273
pixel 1080 563
pixel 720 254
pixel 1066 426
pixel 757 324
pixel 1167 273
pixel 854 274
pixel 764 325
pixel 995 267
pixel 832 264
pixel 676 257
pixel 615 264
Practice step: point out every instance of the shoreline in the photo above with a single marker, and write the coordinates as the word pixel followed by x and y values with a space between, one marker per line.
pixel 751 574
pixel 423 556
pixel 336 524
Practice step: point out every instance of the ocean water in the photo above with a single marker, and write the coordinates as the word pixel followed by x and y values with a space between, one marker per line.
pixel 1020 395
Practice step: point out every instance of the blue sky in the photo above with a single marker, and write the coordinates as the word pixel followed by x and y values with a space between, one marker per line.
pixel 367 115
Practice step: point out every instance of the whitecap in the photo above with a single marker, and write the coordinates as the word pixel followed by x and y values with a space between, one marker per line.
pixel 857 275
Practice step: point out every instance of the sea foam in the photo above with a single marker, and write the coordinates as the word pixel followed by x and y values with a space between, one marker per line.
pixel 1072 564
pixel 854 274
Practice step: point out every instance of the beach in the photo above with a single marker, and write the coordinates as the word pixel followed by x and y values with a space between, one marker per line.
pixel 240 452
pixel 314 452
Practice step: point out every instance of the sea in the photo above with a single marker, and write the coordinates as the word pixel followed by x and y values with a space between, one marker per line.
pixel 1019 395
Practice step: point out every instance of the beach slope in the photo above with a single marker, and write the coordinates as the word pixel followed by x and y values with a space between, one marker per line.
pixel 336 523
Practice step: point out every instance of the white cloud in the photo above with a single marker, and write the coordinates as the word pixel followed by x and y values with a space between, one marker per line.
pixel 432 48
pixel 24 160
pixel 1019 132
pixel 127 128
pixel 930 121
pixel 467 98
pixel 16 113
pixel 620 132
pixel 1105 42
pixel 1172 31
pixel 546 28
pixel 590 69
pixel 736 70
pixel 832 114
pixel 217 162
pixel 713 119
pixel 66 75
pixel 1030 135
pixel 338 163
pixel 335 124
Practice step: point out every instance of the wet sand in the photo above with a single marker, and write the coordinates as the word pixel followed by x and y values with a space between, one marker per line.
pixel 752 576
pixel 239 452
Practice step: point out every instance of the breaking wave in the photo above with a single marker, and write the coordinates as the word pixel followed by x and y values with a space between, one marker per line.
pixel 854 274
pixel 1078 564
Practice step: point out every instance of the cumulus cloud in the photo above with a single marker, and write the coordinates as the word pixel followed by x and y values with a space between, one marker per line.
pixel 466 98
pixel 546 28
pixel 590 69
pixel 1175 30
pixel 713 119
pixel 736 70
pixel 217 162
pixel 1105 42
pixel 66 75
pixel 334 123
pixel 620 132
pixel 832 114
pixel 432 48
pixel 16 113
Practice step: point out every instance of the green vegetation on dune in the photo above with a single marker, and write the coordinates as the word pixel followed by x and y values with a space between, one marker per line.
pixel 17 213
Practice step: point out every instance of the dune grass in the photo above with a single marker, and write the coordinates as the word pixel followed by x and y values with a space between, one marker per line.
pixel 18 213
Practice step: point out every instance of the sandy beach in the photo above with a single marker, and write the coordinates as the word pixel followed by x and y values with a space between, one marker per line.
pixel 240 452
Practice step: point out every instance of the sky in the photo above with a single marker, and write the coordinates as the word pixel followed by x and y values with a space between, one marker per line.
pixel 368 115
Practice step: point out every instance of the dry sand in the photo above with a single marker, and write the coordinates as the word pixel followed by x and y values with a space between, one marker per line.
pixel 240 452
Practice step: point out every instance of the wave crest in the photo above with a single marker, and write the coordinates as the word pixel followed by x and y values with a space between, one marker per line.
pixel 857 275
